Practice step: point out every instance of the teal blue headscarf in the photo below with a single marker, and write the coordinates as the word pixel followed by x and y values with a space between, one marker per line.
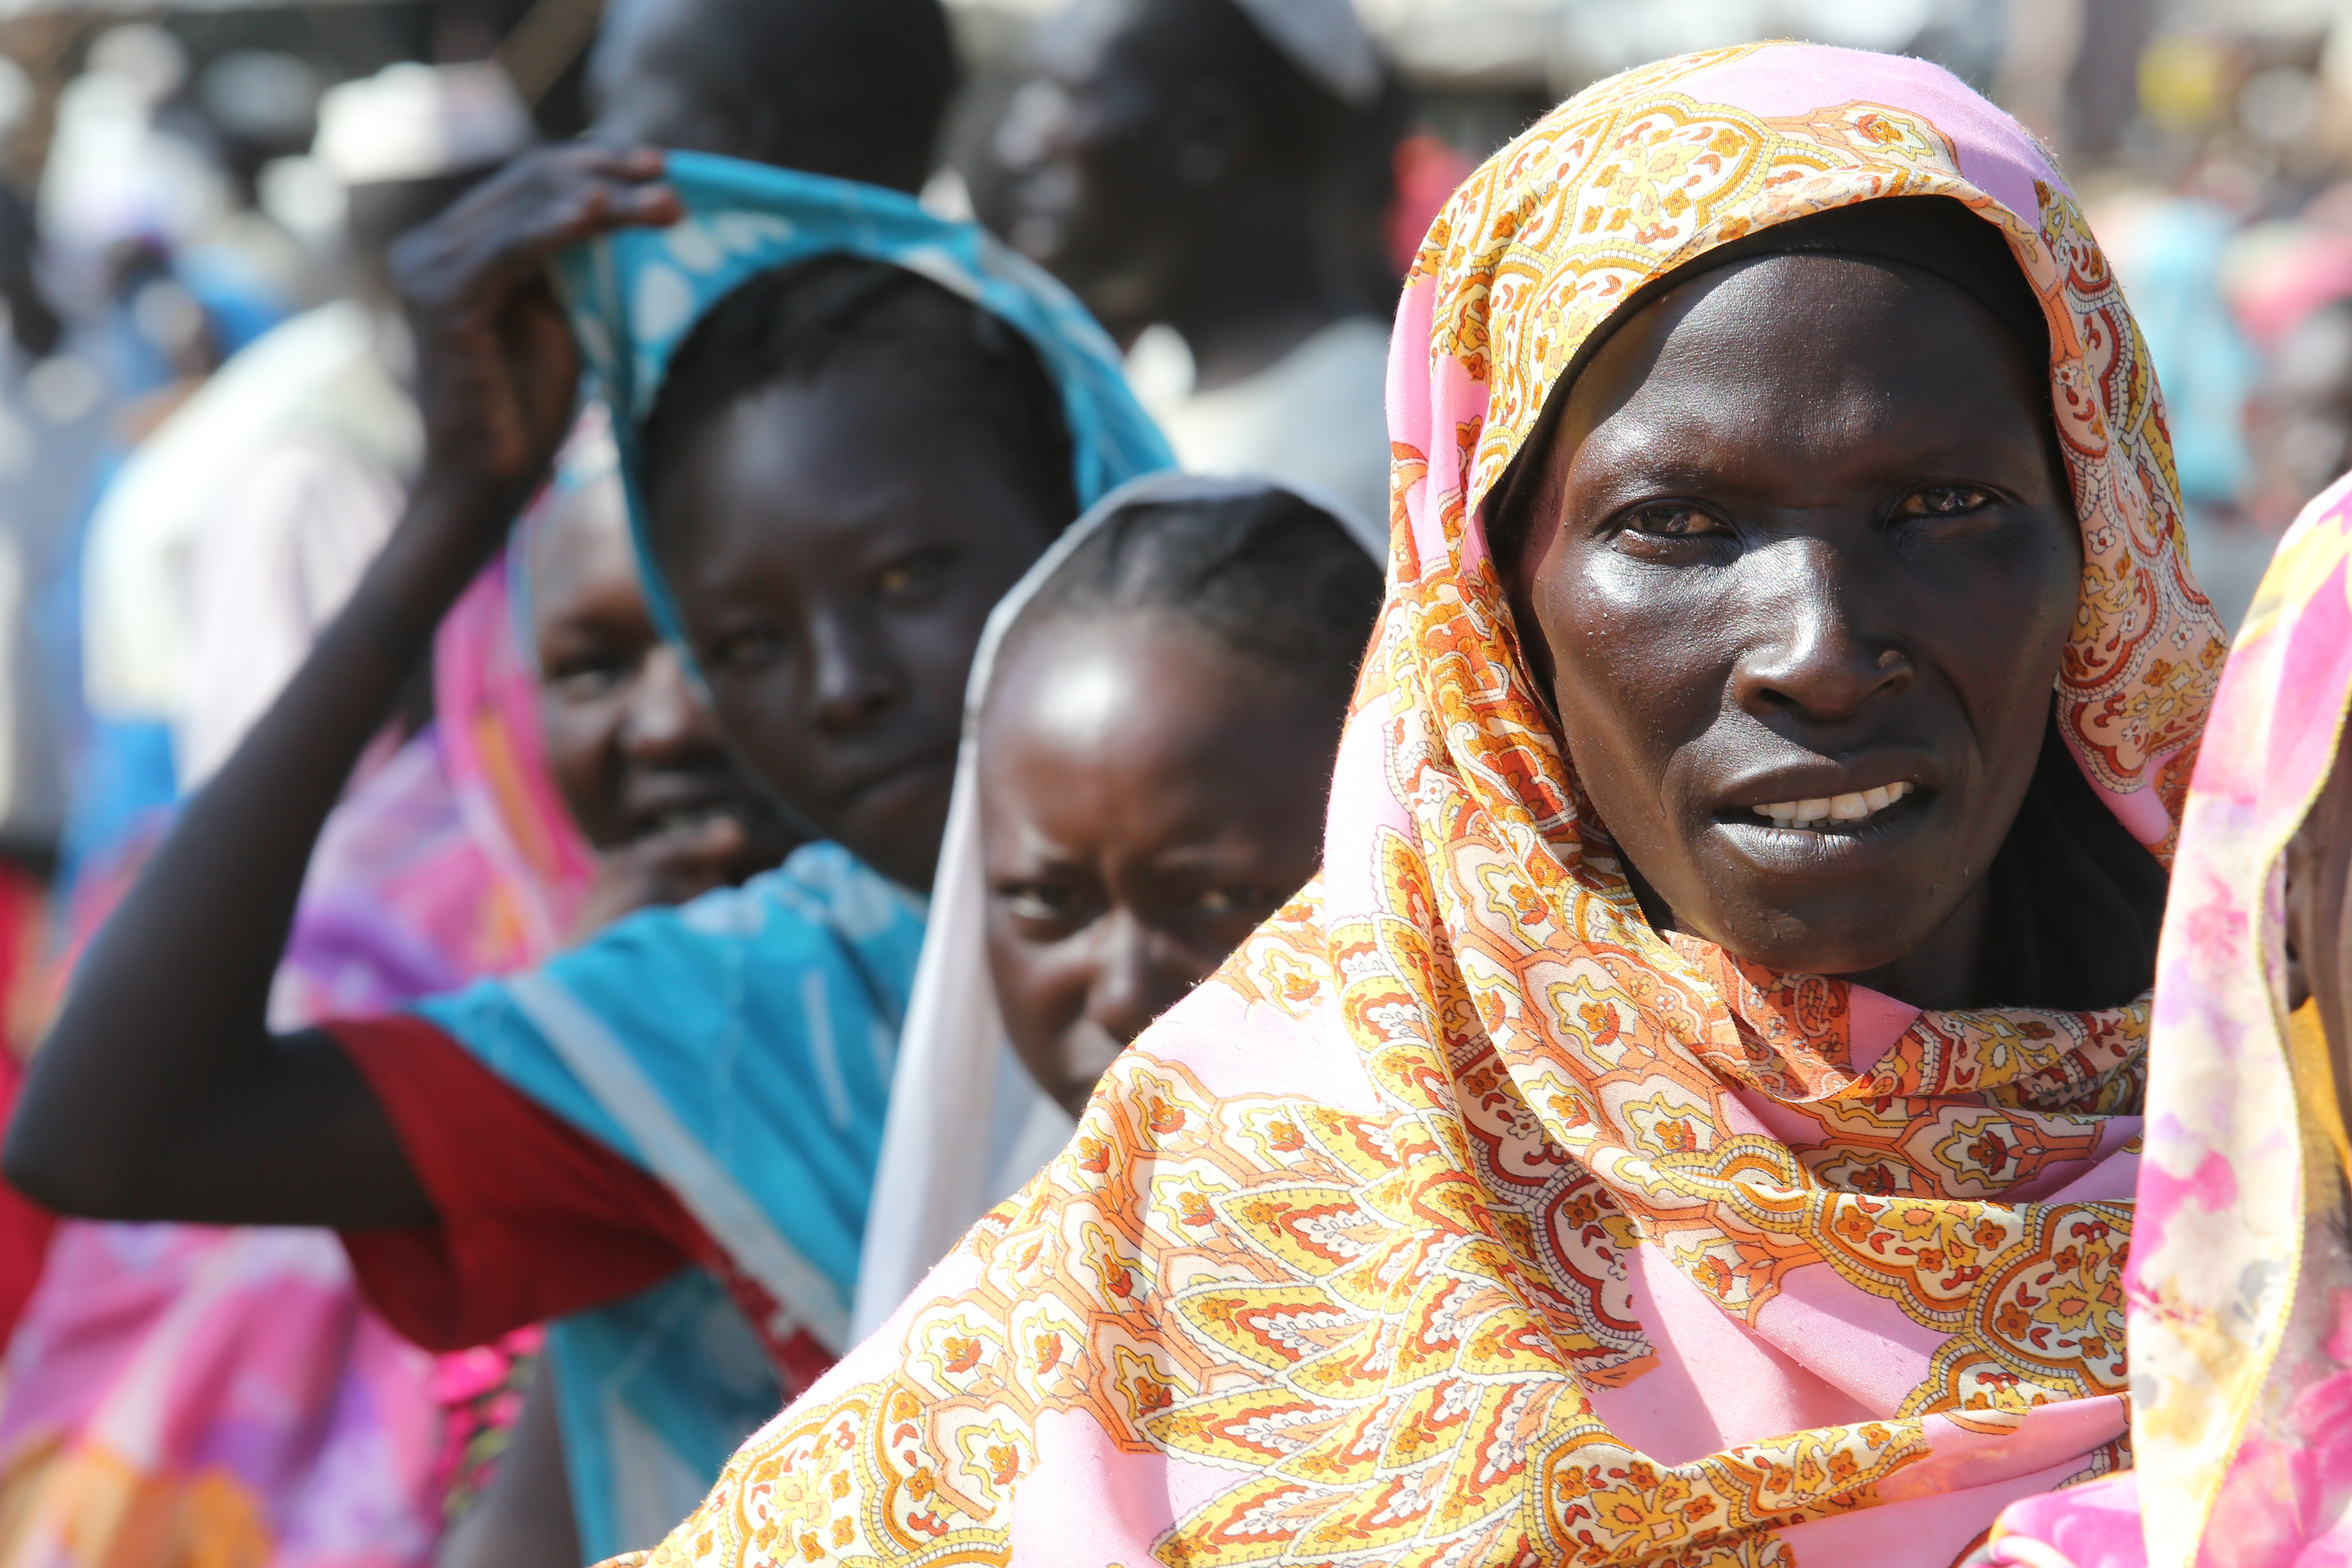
pixel 634 296
pixel 741 1047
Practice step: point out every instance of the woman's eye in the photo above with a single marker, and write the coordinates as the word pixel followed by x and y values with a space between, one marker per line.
pixel 1943 501
pixel 753 645
pixel 1672 519
pixel 911 576
pixel 580 680
pixel 1038 900
pixel 1239 900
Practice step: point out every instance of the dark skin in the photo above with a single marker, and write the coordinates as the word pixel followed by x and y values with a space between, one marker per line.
pixel 838 592
pixel 1158 192
pixel 1803 530
pixel 2319 917
pixel 857 92
pixel 1147 798
pixel 638 760
pixel 161 1093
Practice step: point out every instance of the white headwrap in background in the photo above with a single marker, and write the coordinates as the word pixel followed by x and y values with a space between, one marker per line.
pixel 968 1125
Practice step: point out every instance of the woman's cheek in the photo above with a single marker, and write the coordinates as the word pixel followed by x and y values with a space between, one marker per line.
pixel 754 708
pixel 580 740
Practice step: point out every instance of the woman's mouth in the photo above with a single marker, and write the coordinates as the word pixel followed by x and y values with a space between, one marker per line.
pixel 1853 807
pixel 883 786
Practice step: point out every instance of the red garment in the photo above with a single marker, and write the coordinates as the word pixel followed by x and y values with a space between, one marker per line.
pixel 537 1218
pixel 24 1225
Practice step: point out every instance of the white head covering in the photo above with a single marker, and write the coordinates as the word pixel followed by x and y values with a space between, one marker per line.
pixel 968 1125
pixel 412 122
pixel 1324 38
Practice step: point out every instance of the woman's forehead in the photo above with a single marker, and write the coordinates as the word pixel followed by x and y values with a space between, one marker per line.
pixel 1807 352
pixel 1805 320
pixel 579 551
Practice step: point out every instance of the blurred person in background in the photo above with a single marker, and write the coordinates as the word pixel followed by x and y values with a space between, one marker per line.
pixel 853 88
pixel 2167 252
pixel 130 204
pixel 229 1381
pixel 241 525
pixel 116 312
pixel 238 521
pixel 2291 286
pixel 858 86
pixel 1211 177
pixel 37 488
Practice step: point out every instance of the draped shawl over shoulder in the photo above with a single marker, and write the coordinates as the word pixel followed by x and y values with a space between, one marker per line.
pixel 1464 1218
pixel 2241 1282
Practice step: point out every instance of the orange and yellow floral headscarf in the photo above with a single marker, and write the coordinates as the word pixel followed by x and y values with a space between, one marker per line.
pixel 1463 1217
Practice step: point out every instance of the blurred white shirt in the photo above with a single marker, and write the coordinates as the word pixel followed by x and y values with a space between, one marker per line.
pixel 238 527
pixel 1317 416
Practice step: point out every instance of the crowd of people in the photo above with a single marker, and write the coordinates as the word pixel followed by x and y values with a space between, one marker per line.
pixel 773 862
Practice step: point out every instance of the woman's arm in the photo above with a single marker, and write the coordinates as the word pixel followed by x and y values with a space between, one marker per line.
pixel 161 1093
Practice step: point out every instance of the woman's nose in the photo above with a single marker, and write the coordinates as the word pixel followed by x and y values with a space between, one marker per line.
pixel 1132 979
pixel 1822 650
pixel 853 680
pixel 664 721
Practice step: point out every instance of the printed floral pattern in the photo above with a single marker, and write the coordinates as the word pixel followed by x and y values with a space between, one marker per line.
pixel 1370 1251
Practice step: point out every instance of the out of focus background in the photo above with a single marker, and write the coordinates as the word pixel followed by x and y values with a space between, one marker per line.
pixel 167 195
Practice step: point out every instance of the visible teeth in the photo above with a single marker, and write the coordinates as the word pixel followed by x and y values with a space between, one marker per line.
pixel 1853 807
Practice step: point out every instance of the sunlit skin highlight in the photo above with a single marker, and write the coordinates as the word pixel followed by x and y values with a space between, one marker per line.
pixel 1147 798
pixel 1803 530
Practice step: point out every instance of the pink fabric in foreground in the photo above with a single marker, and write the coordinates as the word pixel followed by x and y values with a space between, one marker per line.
pixel 2241 1286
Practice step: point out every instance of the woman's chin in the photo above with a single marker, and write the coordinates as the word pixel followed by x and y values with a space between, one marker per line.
pixel 1845 908
pixel 895 826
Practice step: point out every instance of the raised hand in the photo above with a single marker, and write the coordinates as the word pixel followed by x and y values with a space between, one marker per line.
pixel 497 373
pixel 674 865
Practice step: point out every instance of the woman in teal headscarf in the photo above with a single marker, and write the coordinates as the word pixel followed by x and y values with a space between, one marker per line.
pixel 847 426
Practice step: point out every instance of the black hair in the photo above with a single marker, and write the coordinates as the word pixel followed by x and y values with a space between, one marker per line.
pixel 853 88
pixel 1269 575
pixel 2077 902
pixel 1184 39
pixel 790 326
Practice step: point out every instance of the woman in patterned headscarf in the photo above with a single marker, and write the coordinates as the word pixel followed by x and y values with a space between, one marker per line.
pixel 1500 1201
